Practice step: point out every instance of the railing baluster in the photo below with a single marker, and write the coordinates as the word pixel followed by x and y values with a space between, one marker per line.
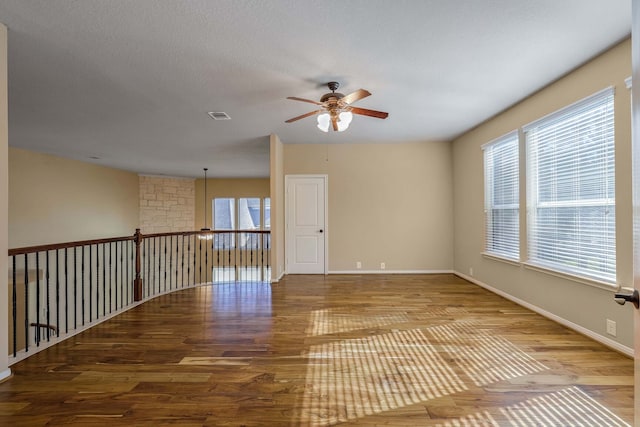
pixel 110 277
pixel 194 260
pixel 238 255
pixel 14 303
pixel 182 265
pixel 82 284
pixel 37 329
pixel 177 252
pixel 153 266
pixel 90 283
pixel 164 270
pixel 206 261
pixel 147 276
pixel 75 287
pixel 232 244
pixel 58 292
pixel 129 276
pixel 48 295
pixel 104 279
pixel 66 290
pixel 121 274
pixel 170 260
pixel 159 264
pixel 26 302
pixel 116 282
pixel 98 292
pixel 188 259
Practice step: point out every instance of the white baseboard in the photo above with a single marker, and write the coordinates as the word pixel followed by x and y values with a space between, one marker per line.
pixel 5 374
pixel 628 351
pixel 391 272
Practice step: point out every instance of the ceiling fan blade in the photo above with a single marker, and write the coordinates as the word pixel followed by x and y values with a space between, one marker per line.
pixel 370 113
pixel 355 96
pixel 303 116
pixel 295 98
pixel 334 122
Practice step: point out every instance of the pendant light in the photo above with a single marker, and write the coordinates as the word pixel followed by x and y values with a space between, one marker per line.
pixel 206 235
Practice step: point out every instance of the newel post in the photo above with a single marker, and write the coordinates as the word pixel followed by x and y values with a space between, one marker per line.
pixel 137 282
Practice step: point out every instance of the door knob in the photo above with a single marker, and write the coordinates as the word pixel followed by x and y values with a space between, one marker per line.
pixel 321 230
pixel 633 298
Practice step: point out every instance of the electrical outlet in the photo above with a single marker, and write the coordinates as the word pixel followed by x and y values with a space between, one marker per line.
pixel 471 271
pixel 358 265
pixel 611 327
pixel 382 266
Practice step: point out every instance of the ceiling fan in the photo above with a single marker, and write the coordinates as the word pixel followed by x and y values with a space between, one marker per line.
pixel 336 109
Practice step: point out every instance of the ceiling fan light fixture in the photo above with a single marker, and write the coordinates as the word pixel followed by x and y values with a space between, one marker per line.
pixel 323 122
pixel 344 120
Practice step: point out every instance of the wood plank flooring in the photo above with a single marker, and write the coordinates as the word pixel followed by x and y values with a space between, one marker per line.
pixel 396 350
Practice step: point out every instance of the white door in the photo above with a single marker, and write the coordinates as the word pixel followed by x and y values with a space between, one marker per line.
pixel 306 231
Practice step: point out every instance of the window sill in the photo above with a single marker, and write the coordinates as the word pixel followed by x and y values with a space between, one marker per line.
pixel 557 273
pixel 573 277
pixel 495 257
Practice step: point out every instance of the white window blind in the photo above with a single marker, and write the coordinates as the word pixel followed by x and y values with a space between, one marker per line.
pixel 502 196
pixel 571 189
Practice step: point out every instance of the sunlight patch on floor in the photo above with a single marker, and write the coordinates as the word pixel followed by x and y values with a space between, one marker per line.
pixel 567 407
pixel 354 378
pixel 329 321
pixel 480 419
pixel 485 357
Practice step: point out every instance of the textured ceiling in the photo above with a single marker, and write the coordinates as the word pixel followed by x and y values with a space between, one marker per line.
pixel 131 82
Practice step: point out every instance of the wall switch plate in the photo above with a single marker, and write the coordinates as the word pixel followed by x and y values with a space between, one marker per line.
pixel 611 327
pixel 471 271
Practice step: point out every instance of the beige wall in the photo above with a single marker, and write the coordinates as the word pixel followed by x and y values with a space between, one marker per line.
pixel 388 203
pixel 226 187
pixel 54 200
pixel 586 306
pixel 277 207
pixel 4 202
pixel 166 204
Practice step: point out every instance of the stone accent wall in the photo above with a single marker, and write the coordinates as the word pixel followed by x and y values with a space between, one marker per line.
pixel 167 204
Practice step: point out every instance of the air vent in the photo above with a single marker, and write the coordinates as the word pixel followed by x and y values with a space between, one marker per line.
pixel 219 115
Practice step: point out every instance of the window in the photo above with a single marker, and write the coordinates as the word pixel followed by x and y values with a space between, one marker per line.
pixel 502 197
pixel 224 218
pixel 251 214
pixel 267 213
pixel 266 241
pixel 571 189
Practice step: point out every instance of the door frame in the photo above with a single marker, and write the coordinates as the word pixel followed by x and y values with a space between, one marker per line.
pixel 287 182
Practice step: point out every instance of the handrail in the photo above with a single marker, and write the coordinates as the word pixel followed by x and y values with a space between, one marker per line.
pixel 191 233
pixel 66 245
pixel 54 246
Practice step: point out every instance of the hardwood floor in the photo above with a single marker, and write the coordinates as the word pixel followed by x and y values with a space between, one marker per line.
pixel 396 350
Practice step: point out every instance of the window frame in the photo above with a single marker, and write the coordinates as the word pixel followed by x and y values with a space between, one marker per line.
pixel 496 238
pixel 560 173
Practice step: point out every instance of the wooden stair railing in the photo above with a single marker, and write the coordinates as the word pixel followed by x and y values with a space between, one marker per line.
pixel 61 289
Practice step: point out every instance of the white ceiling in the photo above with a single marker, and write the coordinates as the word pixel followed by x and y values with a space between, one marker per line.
pixel 131 82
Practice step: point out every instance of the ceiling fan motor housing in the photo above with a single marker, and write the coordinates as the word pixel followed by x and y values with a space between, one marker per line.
pixel 333 86
pixel 327 96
